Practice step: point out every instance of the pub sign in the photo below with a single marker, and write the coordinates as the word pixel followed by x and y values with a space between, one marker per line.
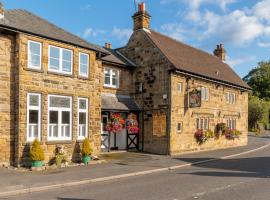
pixel 195 98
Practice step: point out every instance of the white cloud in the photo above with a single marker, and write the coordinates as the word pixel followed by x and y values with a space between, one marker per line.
pixel 262 10
pixel 121 34
pixel 264 44
pixel 90 32
pixel 174 30
pixel 238 61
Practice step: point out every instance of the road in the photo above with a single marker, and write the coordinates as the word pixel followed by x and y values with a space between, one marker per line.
pixel 240 178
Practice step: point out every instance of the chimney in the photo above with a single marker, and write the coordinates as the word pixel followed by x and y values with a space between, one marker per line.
pixel 1 10
pixel 220 52
pixel 141 18
pixel 108 45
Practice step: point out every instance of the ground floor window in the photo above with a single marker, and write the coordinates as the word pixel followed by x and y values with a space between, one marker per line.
pixel 179 127
pixel 202 123
pixel 59 118
pixel 82 118
pixel 33 116
pixel 231 123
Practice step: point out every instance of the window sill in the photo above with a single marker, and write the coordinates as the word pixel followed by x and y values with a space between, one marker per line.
pixel 61 74
pixel 110 87
pixel 34 70
pixel 59 142
pixel 83 77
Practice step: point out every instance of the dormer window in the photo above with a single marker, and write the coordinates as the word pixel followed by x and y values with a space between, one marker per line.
pixel 111 77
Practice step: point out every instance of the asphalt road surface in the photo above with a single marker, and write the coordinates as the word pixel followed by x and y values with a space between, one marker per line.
pixel 240 178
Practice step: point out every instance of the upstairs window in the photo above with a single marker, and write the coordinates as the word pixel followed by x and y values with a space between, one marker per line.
pixel 60 60
pixel 179 87
pixel 205 93
pixel 33 116
pixel 202 123
pixel 83 118
pixel 34 55
pixel 111 78
pixel 230 97
pixel 83 64
pixel 59 120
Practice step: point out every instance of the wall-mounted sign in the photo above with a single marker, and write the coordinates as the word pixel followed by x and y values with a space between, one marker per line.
pixel 195 98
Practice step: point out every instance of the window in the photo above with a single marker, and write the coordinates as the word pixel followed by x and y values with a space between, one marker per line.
pixel 202 123
pixel 111 77
pixel 83 64
pixel 82 118
pixel 59 123
pixel 205 93
pixel 231 123
pixel 33 116
pixel 230 97
pixel 179 127
pixel 179 87
pixel 34 55
pixel 60 60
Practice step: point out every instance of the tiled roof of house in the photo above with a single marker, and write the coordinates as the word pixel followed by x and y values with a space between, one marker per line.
pixel 24 21
pixel 116 57
pixel 197 62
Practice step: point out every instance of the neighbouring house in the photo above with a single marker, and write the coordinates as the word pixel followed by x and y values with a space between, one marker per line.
pixel 59 88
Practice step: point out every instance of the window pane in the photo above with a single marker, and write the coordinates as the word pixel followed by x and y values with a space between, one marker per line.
pixel 33 116
pixel 60 102
pixel 54 64
pixel 34 60
pixel 54 52
pixel 53 117
pixel 66 66
pixel 83 69
pixel 34 48
pixel 65 117
pixel 82 118
pixel 107 80
pixel 67 55
pixel 82 104
pixel 114 81
pixel 34 100
pixel 84 59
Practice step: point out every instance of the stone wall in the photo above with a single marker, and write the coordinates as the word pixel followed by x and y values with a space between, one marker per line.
pixel 152 72
pixel 46 82
pixel 7 65
pixel 216 109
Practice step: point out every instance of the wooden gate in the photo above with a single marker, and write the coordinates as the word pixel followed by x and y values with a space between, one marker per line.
pixel 132 141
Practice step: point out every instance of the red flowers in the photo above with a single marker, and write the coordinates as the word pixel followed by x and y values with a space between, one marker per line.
pixel 116 123
pixel 132 124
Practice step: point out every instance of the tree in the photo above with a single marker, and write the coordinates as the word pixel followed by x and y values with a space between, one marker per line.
pixel 259 79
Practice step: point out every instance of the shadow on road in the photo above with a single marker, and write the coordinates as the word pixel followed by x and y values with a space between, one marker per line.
pixel 60 198
pixel 241 167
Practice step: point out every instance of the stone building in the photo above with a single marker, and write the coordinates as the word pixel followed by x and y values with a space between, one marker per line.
pixel 60 89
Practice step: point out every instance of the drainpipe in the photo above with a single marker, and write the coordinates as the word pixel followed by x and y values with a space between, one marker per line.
pixel 168 117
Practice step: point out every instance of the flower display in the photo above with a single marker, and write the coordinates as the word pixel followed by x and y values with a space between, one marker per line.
pixel 231 134
pixel 202 136
pixel 116 123
pixel 132 124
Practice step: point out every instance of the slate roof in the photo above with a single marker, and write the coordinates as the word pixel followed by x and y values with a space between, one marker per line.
pixel 118 102
pixel 24 21
pixel 197 62
pixel 116 57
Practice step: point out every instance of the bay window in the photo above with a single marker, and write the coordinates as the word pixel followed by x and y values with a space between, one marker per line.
pixel 83 64
pixel 82 118
pixel 60 60
pixel 111 77
pixel 34 55
pixel 33 116
pixel 59 115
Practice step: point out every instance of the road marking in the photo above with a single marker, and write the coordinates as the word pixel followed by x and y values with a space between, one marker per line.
pixel 109 178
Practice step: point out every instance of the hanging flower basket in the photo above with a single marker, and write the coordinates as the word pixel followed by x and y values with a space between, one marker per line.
pixel 116 123
pixel 202 136
pixel 132 124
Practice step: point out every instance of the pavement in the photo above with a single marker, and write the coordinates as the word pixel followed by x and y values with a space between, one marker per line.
pixel 120 165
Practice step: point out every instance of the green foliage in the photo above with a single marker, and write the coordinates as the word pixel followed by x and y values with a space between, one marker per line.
pixel 86 148
pixel 59 159
pixel 209 134
pixel 36 152
pixel 259 79
pixel 258 112
pixel 221 127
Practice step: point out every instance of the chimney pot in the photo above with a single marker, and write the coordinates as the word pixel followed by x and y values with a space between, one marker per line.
pixel 220 52
pixel 108 45
pixel 141 18
pixel 141 7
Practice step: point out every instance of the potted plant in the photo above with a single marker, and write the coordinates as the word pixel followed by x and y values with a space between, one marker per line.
pixel 86 151
pixel 37 154
pixel 220 129
pixel 60 157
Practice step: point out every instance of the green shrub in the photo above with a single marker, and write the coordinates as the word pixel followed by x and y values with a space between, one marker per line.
pixel 221 127
pixel 36 152
pixel 86 148
pixel 209 134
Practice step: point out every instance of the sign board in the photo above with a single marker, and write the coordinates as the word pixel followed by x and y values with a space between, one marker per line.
pixel 195 98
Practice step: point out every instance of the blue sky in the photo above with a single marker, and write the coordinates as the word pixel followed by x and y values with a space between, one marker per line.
pixel 242 25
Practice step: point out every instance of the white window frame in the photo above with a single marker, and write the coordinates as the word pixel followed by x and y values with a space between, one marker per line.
pixel 111 77
pixel 60 60
pixel 231 123
pixel 38 108
pixel 230 97
pixel 205 93
pixel 179 87
pixel 28 55
pixel 87 67
pixel 177 127
pixel 59 125
pixel 202 123
pixel 82 111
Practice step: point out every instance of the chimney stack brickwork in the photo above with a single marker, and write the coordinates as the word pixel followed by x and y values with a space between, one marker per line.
pixel 220 52
pixel 141 18
pixel 108 45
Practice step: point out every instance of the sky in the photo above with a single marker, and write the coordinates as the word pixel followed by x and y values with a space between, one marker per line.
pixel 243 26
